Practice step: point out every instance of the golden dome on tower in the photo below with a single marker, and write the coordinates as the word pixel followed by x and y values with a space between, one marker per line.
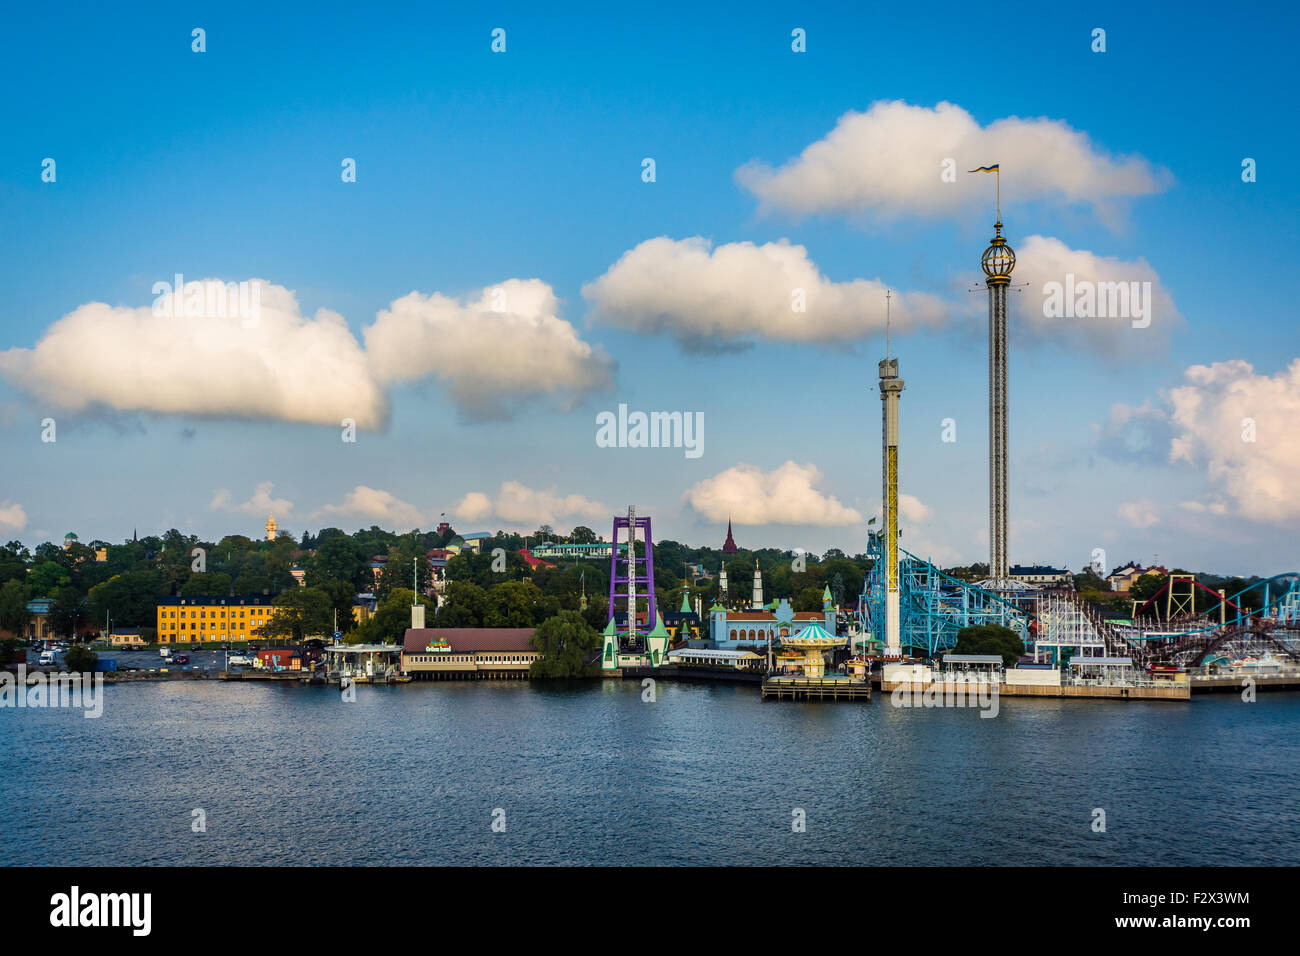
pixel 999 259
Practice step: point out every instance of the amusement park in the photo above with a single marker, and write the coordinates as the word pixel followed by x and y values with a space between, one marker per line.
pixel 906 623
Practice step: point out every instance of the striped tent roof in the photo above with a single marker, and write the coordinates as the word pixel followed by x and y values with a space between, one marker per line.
pixel 813 634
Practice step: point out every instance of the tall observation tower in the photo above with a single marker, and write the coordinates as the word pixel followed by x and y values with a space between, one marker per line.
pixel 891 389
pixel 998 261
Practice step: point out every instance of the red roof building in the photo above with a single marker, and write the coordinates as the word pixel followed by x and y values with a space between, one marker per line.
pixel 534 562
pixel 468 652
pixel 464 640
pixel 280 658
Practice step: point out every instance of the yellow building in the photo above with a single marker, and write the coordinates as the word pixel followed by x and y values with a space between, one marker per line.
pixel 271 527
pixel 184 620
pixel 363 611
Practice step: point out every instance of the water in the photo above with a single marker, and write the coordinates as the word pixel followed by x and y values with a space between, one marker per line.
pixel 588 773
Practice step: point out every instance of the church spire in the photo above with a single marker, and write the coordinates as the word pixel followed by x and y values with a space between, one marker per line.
pixel 729 546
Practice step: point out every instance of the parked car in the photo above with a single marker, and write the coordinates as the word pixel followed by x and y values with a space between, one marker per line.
pixel 180 658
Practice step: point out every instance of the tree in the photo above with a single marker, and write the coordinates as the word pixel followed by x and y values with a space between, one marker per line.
pixel 253 579
pixel 582 535
pixel 206 583
pixel 13 562
pixel 570 647
pixel 809 599
pixel 299 613
pixel 14 616
pixel 1089 580
pixel 339 558
pixel 80 659
pixel 990 639
pixel 392 618
pixel 130 599
pixel 464 605
pixel 48 577
pixel 517 604
pixel 406 560
pixel 468 566
pixel 342 596
pixel 67 613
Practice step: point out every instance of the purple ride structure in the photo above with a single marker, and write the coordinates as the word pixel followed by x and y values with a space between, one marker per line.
pixel 629 642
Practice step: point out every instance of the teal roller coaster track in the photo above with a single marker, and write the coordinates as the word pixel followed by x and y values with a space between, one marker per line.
pixel 933 606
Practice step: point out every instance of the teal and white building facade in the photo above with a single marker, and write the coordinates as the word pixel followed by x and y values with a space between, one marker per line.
pixel 729 630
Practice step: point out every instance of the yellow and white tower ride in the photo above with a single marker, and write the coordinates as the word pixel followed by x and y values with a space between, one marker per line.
pixel 891 389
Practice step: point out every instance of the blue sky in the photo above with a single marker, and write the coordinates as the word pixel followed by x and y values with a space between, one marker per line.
pixel 474 168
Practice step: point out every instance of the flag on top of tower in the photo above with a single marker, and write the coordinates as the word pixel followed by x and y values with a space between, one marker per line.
pixel 985 169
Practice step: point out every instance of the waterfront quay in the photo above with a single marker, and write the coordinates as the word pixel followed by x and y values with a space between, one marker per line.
pixel 1236 681
pixel 1096 691
pixel 688 672
pixel 816 688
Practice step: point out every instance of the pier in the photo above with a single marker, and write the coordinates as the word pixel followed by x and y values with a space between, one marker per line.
pixel 816 688
pixel 292 677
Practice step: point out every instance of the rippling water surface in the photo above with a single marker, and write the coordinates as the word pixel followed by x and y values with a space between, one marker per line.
pixel 589 773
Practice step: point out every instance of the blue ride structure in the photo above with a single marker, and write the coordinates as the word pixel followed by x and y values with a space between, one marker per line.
pixel 933 606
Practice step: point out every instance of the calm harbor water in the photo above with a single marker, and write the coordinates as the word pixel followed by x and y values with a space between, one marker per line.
pixel 589 773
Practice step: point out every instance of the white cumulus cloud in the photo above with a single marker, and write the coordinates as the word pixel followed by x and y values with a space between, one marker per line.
pixel 519 506
pixel 475 506
pixel 1041 260
pixel 739 291
pixel 276 364
pixel 494 353
pixel 785 495
pixel 887 163
pixel 1140 514
pixel 260 503
pixel 1242 427
pixel 12 516
pixel 911 508
pixel 377 506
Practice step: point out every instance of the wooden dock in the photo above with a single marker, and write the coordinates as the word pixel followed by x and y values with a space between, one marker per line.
pixel 816 688
pixel 295 677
